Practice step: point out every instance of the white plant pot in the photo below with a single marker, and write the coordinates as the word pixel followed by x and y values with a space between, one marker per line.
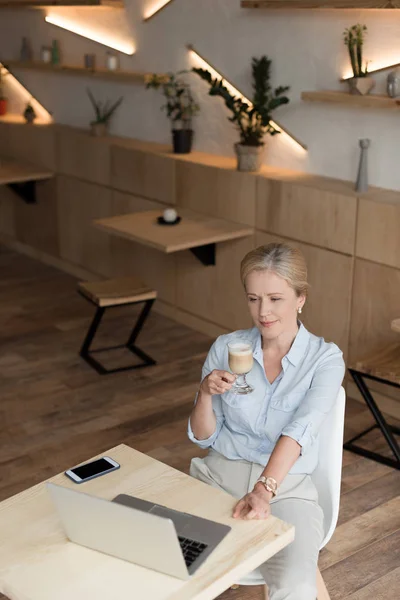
pixel 98 129
pixel 361 85
pixel 249 158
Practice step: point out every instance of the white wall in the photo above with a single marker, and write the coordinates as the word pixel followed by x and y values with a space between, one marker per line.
pixel 307 51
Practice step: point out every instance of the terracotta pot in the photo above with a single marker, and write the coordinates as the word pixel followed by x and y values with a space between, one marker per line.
pixel 249 158
pixel 98 129
pixel 3 106
pixel 361 85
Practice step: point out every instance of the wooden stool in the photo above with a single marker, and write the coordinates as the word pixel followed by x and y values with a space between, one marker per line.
pixel 108 294
pixel 384 366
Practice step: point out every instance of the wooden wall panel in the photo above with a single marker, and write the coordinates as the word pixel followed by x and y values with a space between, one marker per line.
pixel 79 204
pixel 376 302
pixel 128 203
pixel 215 293
pixel 155 268
pixel 37 224
pixel 7 210
pixel 83 156
pixel 217 192
pixel 327 309
pixel 34 144
pixel 378 232
pixel 4 139
pixel 309 215
pixel 143 174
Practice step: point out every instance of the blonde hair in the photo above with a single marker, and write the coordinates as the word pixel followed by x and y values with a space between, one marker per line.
pixel 284 260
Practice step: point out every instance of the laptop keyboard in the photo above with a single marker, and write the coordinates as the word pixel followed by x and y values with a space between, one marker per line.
pixel 191 549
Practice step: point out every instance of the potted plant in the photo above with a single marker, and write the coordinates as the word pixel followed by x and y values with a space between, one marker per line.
pixel 103 112
pixel 361 82
pixel 3 99
pixel 252 119
pixel 180 107
pixel 29 113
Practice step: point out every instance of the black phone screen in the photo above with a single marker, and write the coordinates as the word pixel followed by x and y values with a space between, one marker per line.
pixel 94 468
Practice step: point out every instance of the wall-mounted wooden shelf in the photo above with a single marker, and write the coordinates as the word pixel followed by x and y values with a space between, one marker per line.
pixel 371 101
pixel 320 3
pixel 124 76
pixel 15 119
pixel 39 3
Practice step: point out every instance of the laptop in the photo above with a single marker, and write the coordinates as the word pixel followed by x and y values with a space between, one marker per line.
pixel 141 532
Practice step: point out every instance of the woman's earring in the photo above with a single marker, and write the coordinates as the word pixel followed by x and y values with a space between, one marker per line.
pixel 299 310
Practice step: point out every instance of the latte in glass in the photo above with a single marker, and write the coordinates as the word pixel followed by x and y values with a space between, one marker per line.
pixel 240 358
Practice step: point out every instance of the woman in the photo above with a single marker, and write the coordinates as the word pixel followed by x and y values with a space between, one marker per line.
pixel 272 432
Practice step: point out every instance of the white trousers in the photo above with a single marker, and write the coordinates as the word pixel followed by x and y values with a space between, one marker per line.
pixel 291 573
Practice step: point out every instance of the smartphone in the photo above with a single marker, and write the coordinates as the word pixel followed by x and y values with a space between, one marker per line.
pixel 92 469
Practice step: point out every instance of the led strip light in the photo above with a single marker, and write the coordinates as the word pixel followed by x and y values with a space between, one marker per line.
pixel 22 92
pixel 155 8
pixel 202 63
pixel 89 33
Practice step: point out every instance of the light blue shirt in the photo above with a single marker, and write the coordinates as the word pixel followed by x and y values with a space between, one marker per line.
pixel 295 404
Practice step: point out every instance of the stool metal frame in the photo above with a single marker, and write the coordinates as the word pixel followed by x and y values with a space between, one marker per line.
pixel 389 431
pixel 87 354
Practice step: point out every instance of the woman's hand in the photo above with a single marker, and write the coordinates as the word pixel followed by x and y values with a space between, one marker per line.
pixel 217 382
pixel 254 505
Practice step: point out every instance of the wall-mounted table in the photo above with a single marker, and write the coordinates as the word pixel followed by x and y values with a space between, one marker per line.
pixel 196 232
pixel 22 178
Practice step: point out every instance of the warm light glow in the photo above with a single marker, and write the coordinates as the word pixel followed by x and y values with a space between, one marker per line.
pixel 88 32
pixel 203 64
pixel 375 66
pixel 156 6
pixel 19 90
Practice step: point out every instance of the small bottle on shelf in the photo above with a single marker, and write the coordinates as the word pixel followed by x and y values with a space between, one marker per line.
pixel 55 53
pixel 112 61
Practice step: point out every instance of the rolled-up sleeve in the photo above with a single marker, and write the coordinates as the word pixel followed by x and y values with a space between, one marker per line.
pixel 212 362
pixel 318 402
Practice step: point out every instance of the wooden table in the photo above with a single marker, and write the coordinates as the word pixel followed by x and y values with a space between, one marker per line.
pixel 395 325
pixel 37 562
pixel 196 232
pixel 22 177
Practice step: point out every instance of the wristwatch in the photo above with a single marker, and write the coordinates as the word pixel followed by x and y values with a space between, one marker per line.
pixel 269 483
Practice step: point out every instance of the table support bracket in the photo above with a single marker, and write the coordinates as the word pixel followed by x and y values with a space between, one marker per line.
pixel 205 254
pixel 25 190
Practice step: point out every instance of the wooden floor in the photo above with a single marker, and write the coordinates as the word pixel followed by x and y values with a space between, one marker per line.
pixel 55 411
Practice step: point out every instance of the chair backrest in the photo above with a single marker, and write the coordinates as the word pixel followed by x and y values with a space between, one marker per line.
pixel 328 474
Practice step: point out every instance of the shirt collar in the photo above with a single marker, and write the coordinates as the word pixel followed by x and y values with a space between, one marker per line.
pixel 299 345
pixel 297 348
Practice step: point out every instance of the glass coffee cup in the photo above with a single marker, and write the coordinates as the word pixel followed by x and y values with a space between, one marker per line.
pixel 240 358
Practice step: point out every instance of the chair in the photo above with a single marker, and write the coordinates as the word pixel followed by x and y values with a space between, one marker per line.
pixel 110 293
pixel 327 479
pixel 384 367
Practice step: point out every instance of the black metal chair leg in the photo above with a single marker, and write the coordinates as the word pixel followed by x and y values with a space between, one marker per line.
pixel 385 428
pixel 140 322
pixel 92 331
pixel 87 355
